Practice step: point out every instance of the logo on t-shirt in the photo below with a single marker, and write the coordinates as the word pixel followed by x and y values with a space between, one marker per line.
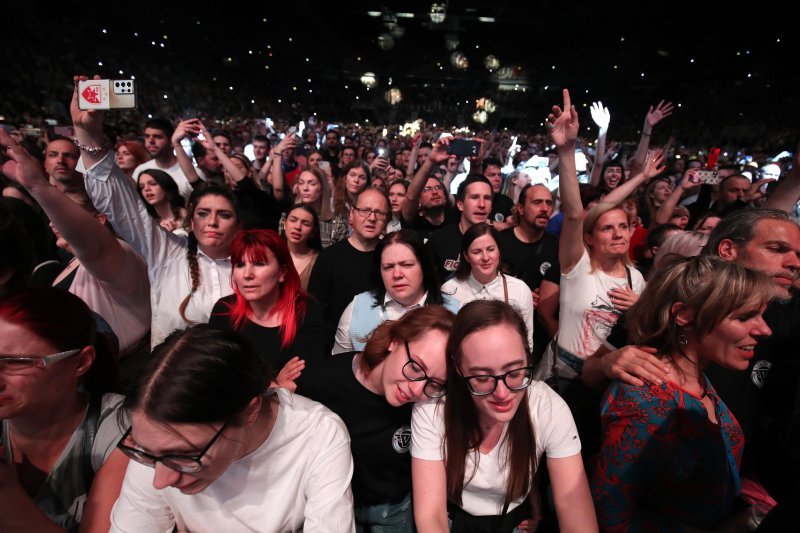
pixel 499 217
pixel 451 265
pixel 401 439
pixel 544 267
pixel 759 373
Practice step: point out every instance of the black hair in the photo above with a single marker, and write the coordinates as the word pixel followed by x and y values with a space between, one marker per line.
pixel 160 124
pixel 314 241
pixel 202 374
pixel 430 276
pixel 165 181
pixel 469 180
pixel 222 133
pixel 491 162
pixel 472 233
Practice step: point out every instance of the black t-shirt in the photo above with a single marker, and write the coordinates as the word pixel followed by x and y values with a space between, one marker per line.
pixel 530 262
pixel 445 247
pixel 502 207
pixel 425 229
pixel 380 435
pixel 309 343
pixel 341 272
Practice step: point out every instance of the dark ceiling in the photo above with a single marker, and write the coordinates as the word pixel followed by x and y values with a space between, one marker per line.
pixel 726 66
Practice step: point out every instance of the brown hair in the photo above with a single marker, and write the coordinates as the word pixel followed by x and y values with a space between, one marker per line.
pixel 410 326
pixel 462 431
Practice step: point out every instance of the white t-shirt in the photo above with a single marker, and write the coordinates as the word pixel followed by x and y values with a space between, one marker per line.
pixel 184 187
pixel 297 480
pixel 586 314
pixel 553 428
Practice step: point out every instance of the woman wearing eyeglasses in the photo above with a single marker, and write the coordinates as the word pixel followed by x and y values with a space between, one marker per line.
pixel 372 391
pixel 404 278
pixel 475 455
pixel 214 451
pixel 58 425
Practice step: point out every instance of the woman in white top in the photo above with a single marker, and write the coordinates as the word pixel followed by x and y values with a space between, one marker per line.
pixel 597 283
pixel 212 451
pixel 405 279
pixel 187 276
pixel 478 276
pixel 476 451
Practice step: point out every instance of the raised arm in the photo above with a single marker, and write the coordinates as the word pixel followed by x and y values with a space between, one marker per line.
pixel 653 167
pixel 186 128
pixel 277 178
pixel 437 155
pixel 563 125
pixel 412 159
pixel 653 117
pixel 787 194
pixel 208 143
pixel 112 192
pixel 602 117
pixel 96 247
pixel 691 179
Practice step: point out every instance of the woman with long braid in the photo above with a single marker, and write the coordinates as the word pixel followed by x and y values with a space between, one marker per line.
pixel 187 276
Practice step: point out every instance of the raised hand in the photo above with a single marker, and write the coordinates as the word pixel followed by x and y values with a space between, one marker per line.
pixel 691 179
pixel 22 167
pixel 90 120
pixel 601 115
pixel 661 111
pixel 563 124
pixel 654 165
pixel 186 128
pixel 439 152
pixel 289 373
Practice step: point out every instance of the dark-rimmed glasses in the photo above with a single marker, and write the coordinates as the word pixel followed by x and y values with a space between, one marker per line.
pixel 413 371
pixel 11 364
pixel 483 385
pixel 365 212
pixel 187 464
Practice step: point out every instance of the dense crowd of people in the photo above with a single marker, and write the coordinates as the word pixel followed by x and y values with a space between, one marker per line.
pixel 343 327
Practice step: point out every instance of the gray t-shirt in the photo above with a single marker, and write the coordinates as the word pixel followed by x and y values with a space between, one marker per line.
pixel 63 494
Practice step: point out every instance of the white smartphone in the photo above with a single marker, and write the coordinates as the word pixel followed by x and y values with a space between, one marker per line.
pixel 107 94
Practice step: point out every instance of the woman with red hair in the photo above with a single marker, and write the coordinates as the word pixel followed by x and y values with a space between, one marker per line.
pixel 268 306
pixel 131 154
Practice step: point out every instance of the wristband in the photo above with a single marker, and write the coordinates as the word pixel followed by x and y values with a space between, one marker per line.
pixel 92 150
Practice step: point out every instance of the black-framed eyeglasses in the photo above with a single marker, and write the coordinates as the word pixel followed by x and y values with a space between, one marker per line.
pixel 365 212
pixel 413 371
pixel 187 464
pixel 13 364
pixel 483 385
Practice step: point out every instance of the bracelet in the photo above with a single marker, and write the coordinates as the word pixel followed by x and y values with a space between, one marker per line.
pixel 92 150
pixel 646 134
pixel 277 153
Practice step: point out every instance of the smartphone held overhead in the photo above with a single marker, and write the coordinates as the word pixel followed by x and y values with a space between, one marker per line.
pixel 463 147
pixel 107 94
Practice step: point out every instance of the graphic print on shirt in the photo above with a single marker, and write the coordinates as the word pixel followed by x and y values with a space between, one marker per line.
pixel 598 321
pixel 759 373
pixel 401 440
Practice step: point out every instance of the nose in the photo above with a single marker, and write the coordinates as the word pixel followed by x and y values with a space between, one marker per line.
pixel 213 220
pixel 792 262
pixel 164 477
pixel 501 392
pixel 397 272
pixel 761 329
pixel 416 388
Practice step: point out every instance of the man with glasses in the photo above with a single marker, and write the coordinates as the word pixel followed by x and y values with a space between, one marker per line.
pixel 344 269
pixel 427 206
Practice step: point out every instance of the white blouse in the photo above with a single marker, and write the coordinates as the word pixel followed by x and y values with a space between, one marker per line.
pixel 519 295
pixel 114 195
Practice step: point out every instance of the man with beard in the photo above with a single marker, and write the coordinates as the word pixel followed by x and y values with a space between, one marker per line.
pixel 60 160
pixel 158 142
pixel 531 254
pixel 427 206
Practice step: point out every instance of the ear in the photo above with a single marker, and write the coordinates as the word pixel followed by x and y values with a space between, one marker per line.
pixel 392 346
pixel 85 360
pixel 282 277
pixel 683 315
pixel 252 410
pixel 101 218
pixel 460 205
pixel 728 250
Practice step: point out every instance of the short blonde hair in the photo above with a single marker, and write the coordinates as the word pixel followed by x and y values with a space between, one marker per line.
pixel 709 286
